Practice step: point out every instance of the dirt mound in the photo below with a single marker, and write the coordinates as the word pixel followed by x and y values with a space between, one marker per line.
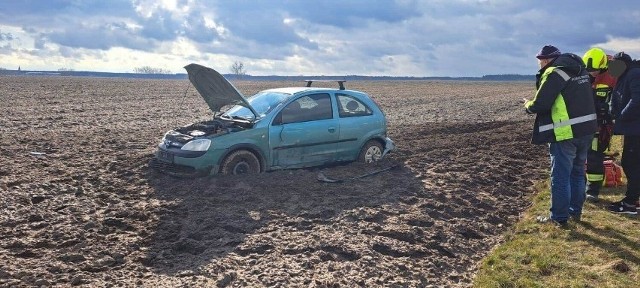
pixel 81 206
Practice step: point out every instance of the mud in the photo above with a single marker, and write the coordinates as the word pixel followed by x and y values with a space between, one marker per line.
pixel 80 206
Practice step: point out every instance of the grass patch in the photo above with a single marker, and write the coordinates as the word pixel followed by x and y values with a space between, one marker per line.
pixel 601 251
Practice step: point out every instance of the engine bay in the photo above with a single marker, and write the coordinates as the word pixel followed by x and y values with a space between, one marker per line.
pixel 204 129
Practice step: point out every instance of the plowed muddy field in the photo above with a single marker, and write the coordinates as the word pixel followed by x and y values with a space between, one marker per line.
pixel 81 207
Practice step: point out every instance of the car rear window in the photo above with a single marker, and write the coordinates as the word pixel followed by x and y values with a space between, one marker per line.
pixel 349 106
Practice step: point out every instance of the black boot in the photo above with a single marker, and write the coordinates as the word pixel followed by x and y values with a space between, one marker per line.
pixel 593 190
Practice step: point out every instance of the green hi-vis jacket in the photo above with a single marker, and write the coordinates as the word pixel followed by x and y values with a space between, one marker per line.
pixel 563 104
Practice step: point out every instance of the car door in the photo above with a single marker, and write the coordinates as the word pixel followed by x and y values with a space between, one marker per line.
pixel 304 133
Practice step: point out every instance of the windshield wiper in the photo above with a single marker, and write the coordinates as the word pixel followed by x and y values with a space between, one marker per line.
pixel 240 118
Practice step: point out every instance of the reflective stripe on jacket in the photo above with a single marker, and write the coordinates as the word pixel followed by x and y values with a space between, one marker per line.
pixel 603 85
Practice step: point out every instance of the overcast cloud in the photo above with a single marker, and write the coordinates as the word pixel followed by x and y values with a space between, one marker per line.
pixel 322 37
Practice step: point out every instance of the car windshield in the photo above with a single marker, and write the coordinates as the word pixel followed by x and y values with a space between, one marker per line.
pixel 263 103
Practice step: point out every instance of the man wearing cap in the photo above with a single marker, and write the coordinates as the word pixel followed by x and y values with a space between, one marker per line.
pixel 566 120
pixel 625 104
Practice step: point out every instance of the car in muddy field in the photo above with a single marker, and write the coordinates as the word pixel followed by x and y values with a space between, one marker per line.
pixel 282 128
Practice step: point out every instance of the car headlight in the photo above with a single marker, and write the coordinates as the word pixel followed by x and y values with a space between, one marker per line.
pixel 197 145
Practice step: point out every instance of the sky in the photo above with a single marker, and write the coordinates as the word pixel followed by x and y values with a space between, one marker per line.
pixel 421 38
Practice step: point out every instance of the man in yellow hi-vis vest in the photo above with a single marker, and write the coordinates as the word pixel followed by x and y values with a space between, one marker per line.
pixel 566 120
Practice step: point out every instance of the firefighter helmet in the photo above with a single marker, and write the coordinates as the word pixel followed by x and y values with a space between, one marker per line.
pixel 595 59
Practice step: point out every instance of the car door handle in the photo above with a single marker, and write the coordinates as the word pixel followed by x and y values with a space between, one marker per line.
pixel 332 129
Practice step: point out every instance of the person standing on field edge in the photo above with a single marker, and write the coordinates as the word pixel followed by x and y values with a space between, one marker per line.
pixel 626 110
pixel 566 120
pixel 602 83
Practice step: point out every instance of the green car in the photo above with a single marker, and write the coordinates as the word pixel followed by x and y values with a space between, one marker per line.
pixel 283 128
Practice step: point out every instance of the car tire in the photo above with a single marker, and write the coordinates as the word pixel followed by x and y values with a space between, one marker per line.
pixel 240 162
pixel 371 152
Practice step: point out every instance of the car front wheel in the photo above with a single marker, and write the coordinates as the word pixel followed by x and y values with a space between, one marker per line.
pixel 240 162
pixel 371 152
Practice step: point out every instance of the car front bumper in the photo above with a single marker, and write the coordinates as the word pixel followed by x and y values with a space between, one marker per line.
pixel 182 163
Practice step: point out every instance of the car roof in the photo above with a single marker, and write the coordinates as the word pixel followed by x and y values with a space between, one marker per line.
pixel 296 90
pixel 308 88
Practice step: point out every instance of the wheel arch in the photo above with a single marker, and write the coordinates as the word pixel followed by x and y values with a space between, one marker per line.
pixel 249 147
pixel 376 138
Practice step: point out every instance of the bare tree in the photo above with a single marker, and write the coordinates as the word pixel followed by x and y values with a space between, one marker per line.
pixel 150 70
pixel 238 68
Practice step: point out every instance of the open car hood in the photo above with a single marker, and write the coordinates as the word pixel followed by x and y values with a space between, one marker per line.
pixel 215 89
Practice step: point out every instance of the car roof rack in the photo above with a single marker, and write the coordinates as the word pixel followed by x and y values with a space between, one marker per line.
pixel 340 82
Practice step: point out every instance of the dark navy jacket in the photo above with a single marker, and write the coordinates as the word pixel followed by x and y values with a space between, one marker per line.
pixel 563 104
pixel 625 103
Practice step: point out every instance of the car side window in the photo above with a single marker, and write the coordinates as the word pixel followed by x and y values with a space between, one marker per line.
pixel 349 106
pixel 308 108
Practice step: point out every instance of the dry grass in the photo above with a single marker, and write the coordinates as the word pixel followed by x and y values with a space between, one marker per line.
pixel 602 251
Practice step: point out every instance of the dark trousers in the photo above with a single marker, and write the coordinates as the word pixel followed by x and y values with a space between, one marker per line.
pixel 595 157
pixel 631 166
pixel 595 171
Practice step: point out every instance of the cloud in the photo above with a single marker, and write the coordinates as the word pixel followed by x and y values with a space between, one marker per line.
pixel 102 37
pixel 353 14
pixel 159 26
pixel 331 37
pixel 199 29
pixel 617 44
pixel 61 13
pixel 6 36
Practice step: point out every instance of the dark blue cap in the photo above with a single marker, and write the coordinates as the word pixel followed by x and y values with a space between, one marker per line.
pixel 548 51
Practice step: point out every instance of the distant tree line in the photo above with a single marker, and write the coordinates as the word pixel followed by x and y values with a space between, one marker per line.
pixel 150 70
pixel 508 77
pixel 240 73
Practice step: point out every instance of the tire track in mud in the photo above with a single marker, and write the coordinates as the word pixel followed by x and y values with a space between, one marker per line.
pixel 91 213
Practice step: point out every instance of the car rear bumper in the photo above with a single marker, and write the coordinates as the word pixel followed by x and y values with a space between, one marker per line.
pixel 388 146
